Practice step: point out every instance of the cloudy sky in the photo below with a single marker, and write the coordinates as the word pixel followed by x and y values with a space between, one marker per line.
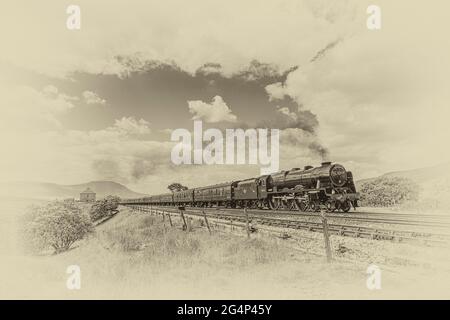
pixel 99 103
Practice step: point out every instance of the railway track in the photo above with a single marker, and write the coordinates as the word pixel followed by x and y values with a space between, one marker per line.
pixel 340 229
pixel 400 219
pixel 434 221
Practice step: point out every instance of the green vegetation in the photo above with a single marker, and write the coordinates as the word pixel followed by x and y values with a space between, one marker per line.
pixel 175 187
pixel 388 192
pixel 104 208
pixel 57 225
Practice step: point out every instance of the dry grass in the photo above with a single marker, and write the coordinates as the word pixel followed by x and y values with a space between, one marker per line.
pixel 166 247
pixel 134 256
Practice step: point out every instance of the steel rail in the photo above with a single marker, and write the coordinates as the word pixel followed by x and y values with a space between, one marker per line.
pixel 406 219
pixel 336 229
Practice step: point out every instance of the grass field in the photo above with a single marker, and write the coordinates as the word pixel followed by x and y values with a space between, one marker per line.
pixel 136 256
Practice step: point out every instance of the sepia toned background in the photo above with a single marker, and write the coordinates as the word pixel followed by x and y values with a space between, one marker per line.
pixel 98 104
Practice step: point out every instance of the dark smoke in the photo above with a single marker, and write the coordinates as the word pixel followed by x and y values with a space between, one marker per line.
pixel 304 120
pixel 321 53
pixel 320 150
pixel 304 140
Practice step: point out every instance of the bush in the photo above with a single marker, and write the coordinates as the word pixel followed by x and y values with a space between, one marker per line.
pixel 388 192
pixel 104 208
pixel 57 225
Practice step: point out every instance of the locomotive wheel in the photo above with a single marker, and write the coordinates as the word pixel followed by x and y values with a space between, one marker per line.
pixel 317 207
pixel 346 206
pixel 286 204
pixel 270 204
pixel 277 204
pixel 331 206
pixel 259 204
pixel 292 205
pixel 262 204
pixel 295 205
pixel 302 206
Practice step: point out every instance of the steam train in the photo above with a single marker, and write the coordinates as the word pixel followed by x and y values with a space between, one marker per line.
pixel 328 186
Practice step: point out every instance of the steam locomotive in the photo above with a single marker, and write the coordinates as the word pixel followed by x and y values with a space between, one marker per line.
pixel 328 186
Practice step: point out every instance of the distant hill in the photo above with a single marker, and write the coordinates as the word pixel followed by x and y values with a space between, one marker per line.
pixel 420 176
pixel 433 184
pixel 42 190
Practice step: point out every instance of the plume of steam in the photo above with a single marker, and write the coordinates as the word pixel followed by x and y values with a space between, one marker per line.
pixel 299 138
pixel 320 150
pixel 301 119
pixel 321 53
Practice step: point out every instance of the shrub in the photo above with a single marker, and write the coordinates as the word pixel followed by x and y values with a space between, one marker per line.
pixel 104 208
pixel 57 225
pixel 388 192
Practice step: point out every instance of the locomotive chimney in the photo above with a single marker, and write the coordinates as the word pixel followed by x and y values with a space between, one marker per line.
pixel 326 163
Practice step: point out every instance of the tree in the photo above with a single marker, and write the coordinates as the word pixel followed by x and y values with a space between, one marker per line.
pixel 176 187
pixel 57 225
pixel 388 192
pixel 104 208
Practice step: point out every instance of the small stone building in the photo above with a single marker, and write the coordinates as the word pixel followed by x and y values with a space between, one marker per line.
pixel 87 195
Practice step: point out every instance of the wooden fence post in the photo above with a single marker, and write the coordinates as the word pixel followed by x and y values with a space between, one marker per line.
pixel 184 220
pixel 206 221
pixel 326 236
pixel 247 223
pixel 189 224
pixel 164 220
pixel 170 220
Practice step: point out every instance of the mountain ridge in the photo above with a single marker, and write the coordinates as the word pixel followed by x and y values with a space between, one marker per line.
pixel 419 175
pixel 48 190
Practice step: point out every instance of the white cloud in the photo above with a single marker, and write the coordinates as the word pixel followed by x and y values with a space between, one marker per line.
pixel 132 126
pixel 231 33
pixel 93 98
pixel 381 97
pixel 276 91
pixel 216 111
pixel 50 90
pixel 39 148
pixel 25 108
pixel 287 112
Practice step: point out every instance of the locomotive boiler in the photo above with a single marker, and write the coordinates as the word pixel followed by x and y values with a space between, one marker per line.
pixel 326 175
pixel 329 185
